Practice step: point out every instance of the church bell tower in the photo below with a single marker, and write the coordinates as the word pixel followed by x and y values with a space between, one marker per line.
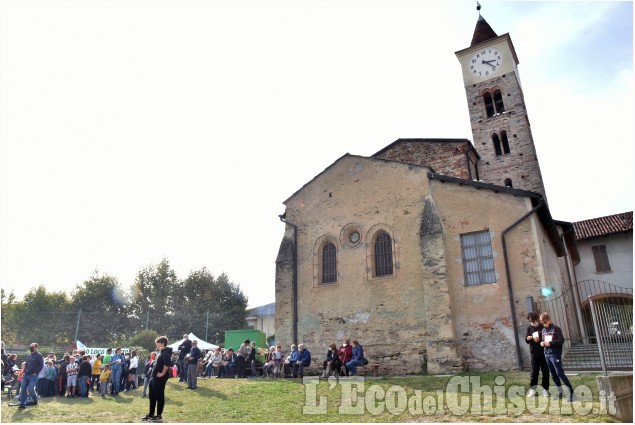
pixel 500 126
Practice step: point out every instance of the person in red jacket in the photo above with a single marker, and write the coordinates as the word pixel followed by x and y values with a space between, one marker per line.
pixel 345 353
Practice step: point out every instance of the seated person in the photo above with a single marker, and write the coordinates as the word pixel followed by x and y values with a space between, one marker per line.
pixel 232 363
pixel 292 359
pixel 304 360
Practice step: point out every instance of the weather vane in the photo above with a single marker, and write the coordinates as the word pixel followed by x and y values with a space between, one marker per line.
pixel 478 7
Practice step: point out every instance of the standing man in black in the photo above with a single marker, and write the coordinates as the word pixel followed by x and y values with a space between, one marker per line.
pixel 34 364
pixel 184 350
pixel 160 374
pixel 192 364
pixel 537 353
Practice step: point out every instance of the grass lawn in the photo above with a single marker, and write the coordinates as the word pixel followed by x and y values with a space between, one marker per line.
pixel 282 400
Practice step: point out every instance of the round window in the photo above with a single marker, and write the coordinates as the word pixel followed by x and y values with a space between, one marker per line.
pixel 351 236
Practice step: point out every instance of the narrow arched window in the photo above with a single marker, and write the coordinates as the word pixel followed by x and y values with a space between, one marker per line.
pixel 383 254
pixel 504 141
pixel 498 102
pixel 489 105
pixel 508 183
pixel 329 263
pixel 497 144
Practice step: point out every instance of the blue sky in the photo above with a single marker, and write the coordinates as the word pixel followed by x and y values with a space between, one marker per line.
pixel 133 131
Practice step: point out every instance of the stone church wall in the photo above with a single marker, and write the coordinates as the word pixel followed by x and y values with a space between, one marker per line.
pixel 422 318
pixel 403 321
pixel 482 314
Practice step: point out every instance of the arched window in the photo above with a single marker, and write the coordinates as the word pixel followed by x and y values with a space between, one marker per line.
pixel 498 102
pixel 508 183
pixel 504 141
pixel 489 105
pixel 383 254
pixel 329 263
pixel 497 144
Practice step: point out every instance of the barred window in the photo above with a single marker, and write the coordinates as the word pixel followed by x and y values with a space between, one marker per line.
pixel 478 259
pixel 601 258
pixel 383 254
pixel 497 144
pixel 329 263
pixel 498 102
pixel 504 141
pixel 489 105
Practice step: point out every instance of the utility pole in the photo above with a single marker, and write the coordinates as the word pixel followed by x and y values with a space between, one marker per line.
pixel 77 327
pixel 206 325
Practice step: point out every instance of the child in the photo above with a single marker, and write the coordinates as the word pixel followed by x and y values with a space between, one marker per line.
pixel 71 377
pixel 277 358
pixel 50 375
pixel 103 380
pixel 20 378
pixel 147 372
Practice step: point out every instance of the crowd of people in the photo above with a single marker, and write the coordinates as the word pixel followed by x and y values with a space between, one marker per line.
pixel 191 363
pixel 78 374
pixel 75 375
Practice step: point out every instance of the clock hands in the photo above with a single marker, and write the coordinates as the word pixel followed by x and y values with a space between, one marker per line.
pixel 489 62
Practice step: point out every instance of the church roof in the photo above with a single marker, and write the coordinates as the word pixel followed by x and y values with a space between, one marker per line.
pixel 482 32
pixel 604 226
pixel 398 141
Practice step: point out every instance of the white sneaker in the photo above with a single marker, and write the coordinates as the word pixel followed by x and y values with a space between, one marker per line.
pixel 531 393
pixel 545 393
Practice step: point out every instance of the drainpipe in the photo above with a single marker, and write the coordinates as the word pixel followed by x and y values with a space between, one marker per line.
pixel 509 279
pixel 294 298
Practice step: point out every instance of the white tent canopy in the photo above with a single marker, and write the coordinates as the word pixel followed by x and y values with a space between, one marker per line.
pixel 203 345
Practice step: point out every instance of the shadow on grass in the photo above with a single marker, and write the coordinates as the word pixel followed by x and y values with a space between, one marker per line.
pixel 208 392
pixel 176 387
pixel 119 399
pixel 199 392
pixel 20 415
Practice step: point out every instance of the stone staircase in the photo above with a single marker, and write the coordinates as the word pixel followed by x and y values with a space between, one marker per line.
pixel 618 356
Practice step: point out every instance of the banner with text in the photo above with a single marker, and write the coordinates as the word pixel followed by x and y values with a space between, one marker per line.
pixel 102 351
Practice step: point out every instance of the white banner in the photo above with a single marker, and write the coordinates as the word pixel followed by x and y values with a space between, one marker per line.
pixel 102 351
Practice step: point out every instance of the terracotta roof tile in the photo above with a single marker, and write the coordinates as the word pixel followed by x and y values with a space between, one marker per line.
pixel 482 32
pixel 603 226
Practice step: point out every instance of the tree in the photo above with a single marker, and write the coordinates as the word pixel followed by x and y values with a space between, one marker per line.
pixel 155 295
pixel 144 339
pixel 111 316
pixel 202 293
pixel 45 318
pixel 104 306
pixel 8 317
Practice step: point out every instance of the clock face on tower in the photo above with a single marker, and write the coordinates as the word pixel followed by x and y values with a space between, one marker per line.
pixel 485 62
